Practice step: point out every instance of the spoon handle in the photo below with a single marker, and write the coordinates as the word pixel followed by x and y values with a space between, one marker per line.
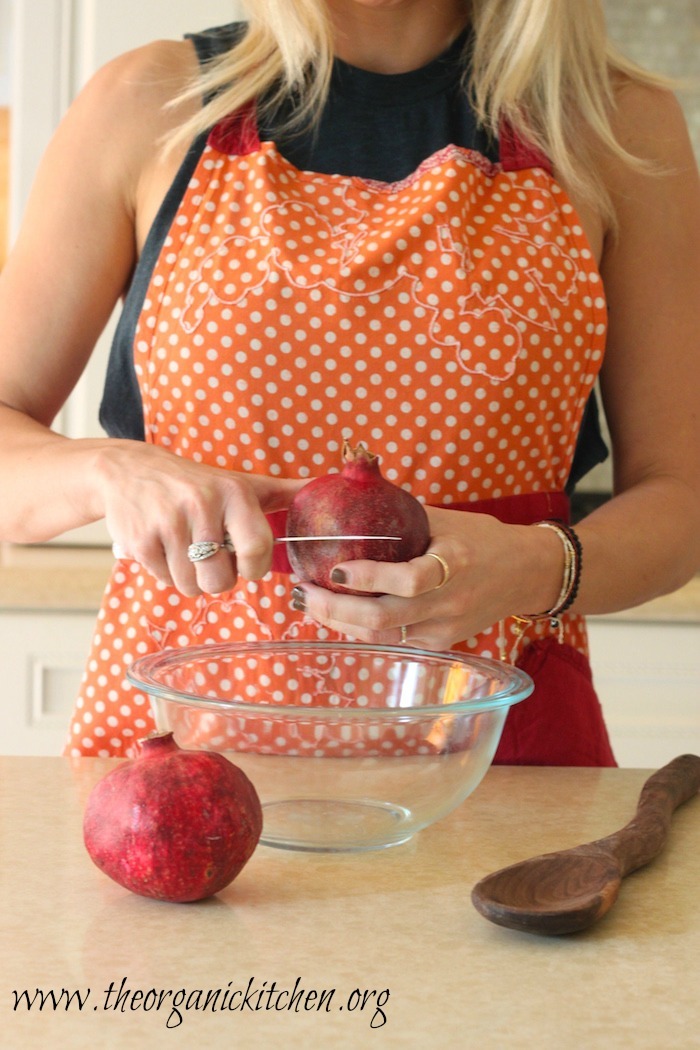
pixel 645 836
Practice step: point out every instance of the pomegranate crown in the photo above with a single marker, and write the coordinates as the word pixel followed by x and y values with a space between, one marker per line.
pixel 359 454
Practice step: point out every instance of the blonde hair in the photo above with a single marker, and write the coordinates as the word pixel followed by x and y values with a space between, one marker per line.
pixel 544 67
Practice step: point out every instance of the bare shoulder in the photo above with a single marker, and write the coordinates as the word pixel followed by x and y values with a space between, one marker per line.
pixel 651 272
pixel 78 240
pixel 649 122
pixel 128 97
pixel 116 126
pixel 662 194
pixel 636 100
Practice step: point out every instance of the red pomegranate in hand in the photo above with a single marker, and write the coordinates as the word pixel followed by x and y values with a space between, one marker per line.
pixel 356 501
pixel 173 824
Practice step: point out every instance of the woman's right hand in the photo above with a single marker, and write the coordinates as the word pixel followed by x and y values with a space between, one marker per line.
pixel 156 504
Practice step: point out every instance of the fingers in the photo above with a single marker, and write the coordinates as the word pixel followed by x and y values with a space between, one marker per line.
pixel 434 635
pixel 275 493
pixel 211 567
pixel 421 575
pixel 249 535
pixel 410 603
pixel 136 544
pixel 381 620
pixel 211 560
pixel 444 569
pixel 196 531
pixel 202 566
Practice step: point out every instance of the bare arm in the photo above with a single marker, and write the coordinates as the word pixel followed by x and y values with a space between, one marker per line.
pixel 95 195
pixel 71 262
pixel 646 541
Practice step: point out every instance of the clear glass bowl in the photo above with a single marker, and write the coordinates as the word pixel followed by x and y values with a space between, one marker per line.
pixel 350 746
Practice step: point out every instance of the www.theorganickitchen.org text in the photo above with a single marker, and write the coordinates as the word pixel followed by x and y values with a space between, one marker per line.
pixel 254 996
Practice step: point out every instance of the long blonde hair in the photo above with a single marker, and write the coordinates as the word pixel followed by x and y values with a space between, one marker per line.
pixel 545 67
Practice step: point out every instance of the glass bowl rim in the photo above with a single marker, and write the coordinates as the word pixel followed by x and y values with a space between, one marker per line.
pixel 516 684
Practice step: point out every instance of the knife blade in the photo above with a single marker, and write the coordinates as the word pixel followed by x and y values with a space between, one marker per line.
pixel 314 539
pixel 121 554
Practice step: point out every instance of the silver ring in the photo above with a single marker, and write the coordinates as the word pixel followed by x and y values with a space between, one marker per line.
pixel 443 565
pixel 404 635
pixel 203 550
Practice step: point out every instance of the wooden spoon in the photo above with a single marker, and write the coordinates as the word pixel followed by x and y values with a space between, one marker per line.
pixel 570 890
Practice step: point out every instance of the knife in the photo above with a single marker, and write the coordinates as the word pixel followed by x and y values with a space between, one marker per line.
pixel 308 539
pixel 120 553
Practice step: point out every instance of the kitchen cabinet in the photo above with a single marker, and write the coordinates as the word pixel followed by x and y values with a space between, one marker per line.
pixel 42 657
pixel 48 603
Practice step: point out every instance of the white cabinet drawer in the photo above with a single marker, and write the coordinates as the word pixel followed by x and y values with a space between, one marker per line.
pixel 42 656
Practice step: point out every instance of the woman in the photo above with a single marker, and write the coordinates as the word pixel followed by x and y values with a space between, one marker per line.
pixel 433 244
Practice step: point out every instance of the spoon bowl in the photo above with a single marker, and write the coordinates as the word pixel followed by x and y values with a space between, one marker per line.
pixel 552 894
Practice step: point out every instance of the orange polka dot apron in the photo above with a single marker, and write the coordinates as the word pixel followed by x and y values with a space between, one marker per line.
pixel 454 321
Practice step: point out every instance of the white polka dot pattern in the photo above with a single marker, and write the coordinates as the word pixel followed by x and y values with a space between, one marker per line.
pixel 455 322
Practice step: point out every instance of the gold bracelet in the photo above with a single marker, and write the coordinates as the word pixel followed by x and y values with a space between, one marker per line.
pixel 571 578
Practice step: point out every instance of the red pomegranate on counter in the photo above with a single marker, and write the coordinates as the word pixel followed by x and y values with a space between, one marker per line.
pixel 356 501
pixel 173 824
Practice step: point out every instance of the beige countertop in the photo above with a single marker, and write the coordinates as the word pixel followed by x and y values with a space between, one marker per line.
pixel 73 578
pixel 396 924
pixel 53 577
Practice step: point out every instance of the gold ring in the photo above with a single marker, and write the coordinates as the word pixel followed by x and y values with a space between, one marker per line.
pixel 443 565
pixel 404 636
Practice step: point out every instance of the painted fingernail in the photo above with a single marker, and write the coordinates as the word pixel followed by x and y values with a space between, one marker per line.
pixel 299 599
pixel 339 576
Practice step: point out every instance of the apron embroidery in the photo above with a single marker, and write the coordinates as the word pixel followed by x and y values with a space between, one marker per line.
pixel 455 321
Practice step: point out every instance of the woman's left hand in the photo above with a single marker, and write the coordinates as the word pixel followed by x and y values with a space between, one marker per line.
pixel 493 571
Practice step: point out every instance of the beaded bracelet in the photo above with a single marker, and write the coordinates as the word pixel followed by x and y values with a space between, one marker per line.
pixel 571 578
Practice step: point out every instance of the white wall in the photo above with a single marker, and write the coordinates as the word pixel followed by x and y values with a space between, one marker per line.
pixel 5 51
